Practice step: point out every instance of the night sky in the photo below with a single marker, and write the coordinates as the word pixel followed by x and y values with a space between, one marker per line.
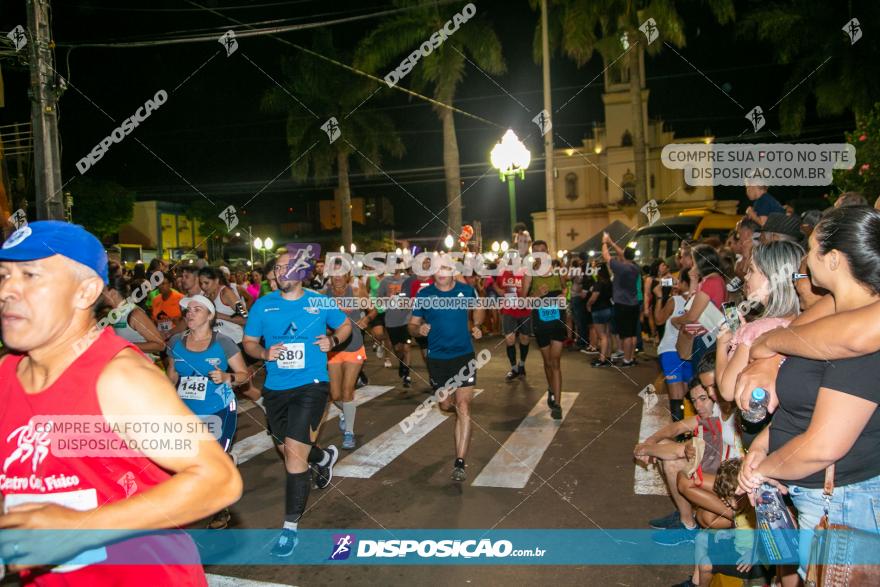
pixel 212 132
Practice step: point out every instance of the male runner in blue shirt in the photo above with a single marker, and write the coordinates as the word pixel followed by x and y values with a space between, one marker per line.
pixel 293 323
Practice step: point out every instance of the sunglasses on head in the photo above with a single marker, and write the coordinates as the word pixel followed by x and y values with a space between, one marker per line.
pixel 796 276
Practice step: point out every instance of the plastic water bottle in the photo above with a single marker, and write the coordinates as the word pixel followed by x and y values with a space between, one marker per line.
pixel 757 406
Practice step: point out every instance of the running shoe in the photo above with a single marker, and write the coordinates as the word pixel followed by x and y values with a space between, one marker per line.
pixel 598 363
pixel 625 363
pixel 348 441
pixel 220 520
pixel 665 522
pixel 616 355
pixel 324 473
pixel 286 543
pixel 521 369
pixel 407 381
pixel 589 351
pixel 362 379
pixel 380 351
pixel 512 374
pixel 550 401
pixel 387 363
pixel 341 422
pixel 556 411
pixel 459 474
pixel 675 535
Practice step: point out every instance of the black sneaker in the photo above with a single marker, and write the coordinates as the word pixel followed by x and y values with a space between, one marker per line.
pixel 407 381
pixel 666 521
pixel 323 474
pixel 286 543
pixel 522 370
pixel 458 474
pixel 626 363
pixel 512 374
pixel 362 379
pixel 550 401
pixel 556 411
pixel 598 363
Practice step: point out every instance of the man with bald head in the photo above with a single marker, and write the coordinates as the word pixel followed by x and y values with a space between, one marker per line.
pixel 763 204
pixel 62 368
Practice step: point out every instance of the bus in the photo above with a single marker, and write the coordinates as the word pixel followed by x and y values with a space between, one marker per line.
pixel 662 239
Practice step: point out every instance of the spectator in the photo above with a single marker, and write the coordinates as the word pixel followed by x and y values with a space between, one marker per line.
pixel 789 210
pixel 850 199
pixel 522 240
pixel 669 303
pixel 600 307
pixel 763 204
pixel 625 296
pixel 827 420
pixel 809 220
pixel 707 286
pixel 780 227
pixel 202 259
pixel 746 231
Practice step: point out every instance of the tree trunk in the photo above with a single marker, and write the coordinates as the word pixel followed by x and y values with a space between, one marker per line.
pixel 638 121
pixel 452 170
pixel 343 198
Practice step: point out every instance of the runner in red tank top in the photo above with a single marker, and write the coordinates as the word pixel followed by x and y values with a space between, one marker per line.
pixel 64 371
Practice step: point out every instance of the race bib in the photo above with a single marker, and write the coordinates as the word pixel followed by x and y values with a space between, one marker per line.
pixel 548 314
pixel 165 325
pixel 192 387
pixel 293 356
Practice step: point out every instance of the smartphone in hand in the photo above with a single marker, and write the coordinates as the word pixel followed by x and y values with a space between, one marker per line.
pixel 731 316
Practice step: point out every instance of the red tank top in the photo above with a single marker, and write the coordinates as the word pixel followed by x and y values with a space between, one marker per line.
pixel 30 472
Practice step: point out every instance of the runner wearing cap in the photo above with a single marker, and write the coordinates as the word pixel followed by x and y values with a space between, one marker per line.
pixel 292 324
pixel 450 352
pixel 61 366
pixel 198 363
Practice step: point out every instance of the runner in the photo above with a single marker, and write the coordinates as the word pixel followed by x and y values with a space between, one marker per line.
pixel 450 353
pixel 345 360
pixel 198 361
pixel 515 323
pixel 377 322
pixel 189 280
pixel 51 275
pixel 131 323
pixel 396 322
pixel 412 286
pixel 550 331
pixel 293 324
pixel 166 308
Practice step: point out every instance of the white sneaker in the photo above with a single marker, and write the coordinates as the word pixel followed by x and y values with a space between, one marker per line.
pixel 380 352
pixel 616 355
pixel 387 363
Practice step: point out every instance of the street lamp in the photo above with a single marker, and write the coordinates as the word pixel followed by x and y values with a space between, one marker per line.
pixel 496 247
pixel 448 241
pixel 504 246
pixel 510 157
pixel 263 245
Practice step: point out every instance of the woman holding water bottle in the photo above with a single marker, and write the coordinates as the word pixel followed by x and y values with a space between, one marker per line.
pixel 199 364
pixel 827 426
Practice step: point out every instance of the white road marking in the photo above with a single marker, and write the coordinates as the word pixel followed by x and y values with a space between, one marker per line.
pixel 648 481
pixel 223 581
pixel 247 448
pixel 379 452
pixel 513 464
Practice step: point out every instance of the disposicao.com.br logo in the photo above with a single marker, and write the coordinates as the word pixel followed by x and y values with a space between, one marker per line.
pixel 484 548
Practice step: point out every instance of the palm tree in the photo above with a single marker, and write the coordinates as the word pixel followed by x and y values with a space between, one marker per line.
pixel 442 70
pixel 807 36
pixel 311 94
pixel 581 28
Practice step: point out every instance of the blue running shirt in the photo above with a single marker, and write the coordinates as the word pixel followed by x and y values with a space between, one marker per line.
pixel 297 324
pixel 449 335
pixel 195 388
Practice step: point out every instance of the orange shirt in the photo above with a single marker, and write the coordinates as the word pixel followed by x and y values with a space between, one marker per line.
pixel 170 307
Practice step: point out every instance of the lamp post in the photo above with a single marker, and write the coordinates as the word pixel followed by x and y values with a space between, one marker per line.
pixel 262 246
pixel 510 157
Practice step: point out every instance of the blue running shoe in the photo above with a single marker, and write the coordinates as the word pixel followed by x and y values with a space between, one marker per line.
pixel 286 543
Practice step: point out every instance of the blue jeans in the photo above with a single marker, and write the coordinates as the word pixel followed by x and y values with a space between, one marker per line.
pixel 856 505
pixel 579 317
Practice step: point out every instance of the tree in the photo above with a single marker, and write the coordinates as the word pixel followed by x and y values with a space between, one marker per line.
pixel 824 63
pixel 581 28
pixel 312 94
pixel 442 70
pixel 101 206
pixel 865 175
pixel 212 228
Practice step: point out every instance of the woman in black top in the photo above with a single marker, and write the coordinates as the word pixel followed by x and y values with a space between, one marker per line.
pixel 599 305
pixel 827 411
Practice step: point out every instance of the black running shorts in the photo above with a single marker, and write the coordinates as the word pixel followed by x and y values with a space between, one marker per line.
pixel 398 334
pixel 444 372
pixel 546 331
pixel 296 413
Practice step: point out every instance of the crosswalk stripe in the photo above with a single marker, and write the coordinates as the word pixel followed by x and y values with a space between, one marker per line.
pixel 224 581
pixel 648 481
pixel 513 464
pixel 379 452
pixel 247 448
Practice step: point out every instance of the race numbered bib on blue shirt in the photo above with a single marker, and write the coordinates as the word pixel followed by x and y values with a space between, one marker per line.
pixel 548 314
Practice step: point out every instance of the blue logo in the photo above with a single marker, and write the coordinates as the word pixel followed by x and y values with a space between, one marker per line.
pixel 342 546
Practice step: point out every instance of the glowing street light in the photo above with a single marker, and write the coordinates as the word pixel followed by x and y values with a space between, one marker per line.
pixel 504 246
pixel 258 243
pixel 510 157
pixel 448 241
pixel 496 247
pixel 268 242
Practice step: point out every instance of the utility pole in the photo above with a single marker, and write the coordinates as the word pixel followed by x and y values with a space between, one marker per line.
pixel 44 113
pixel 548 136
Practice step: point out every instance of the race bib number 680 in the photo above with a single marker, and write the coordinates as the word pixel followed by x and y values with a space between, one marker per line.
pixel 292 356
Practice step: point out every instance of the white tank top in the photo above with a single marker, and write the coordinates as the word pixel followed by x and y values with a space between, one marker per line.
pixel 225 327
pixel 670 334
pixel 122 327
pixel 733 447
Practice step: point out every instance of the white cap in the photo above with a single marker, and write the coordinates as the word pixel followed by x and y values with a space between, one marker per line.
pixel 201 300
pixel 225 270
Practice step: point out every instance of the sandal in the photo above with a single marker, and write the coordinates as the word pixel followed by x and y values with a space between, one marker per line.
pixel 220 520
